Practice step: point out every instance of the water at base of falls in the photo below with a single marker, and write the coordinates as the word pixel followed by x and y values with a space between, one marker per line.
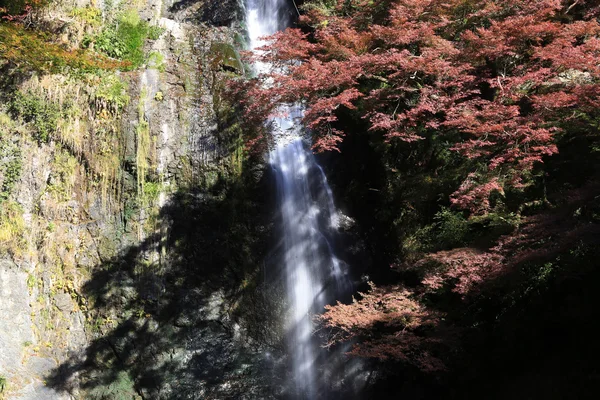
pixel 313 275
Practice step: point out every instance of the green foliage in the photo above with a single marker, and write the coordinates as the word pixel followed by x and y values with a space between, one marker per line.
pixel 451 228
pixel 324 7
pixel 113 91
pixel 10 163
pixel 155 32
pixel 130 209
pixel 18 7
pixel 31 281
pixel 123 39
pixel 42 114
pixel 6 124
pixel 11 174
pixel 107 42
pixel 90 15
pixel 495 223
pixel 151 191
pixel 133 33
pixel 3 384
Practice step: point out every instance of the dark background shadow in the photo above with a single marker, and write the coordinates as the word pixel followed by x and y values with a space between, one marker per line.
pixel 170 326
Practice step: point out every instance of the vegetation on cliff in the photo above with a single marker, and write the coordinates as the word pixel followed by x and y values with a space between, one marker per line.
pixel 125 188
pixel 462 135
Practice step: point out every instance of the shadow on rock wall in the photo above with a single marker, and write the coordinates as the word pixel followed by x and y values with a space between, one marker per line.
pixel 172 326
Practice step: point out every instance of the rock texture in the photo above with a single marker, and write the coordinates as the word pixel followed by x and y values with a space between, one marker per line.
pixel 138 276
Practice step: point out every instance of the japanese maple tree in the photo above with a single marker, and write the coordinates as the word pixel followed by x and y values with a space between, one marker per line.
pixel 500 76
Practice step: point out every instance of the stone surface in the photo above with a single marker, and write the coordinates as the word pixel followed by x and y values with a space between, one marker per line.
pixel 15 321
pixel 24 371
pixel 189 340
pixel 63 302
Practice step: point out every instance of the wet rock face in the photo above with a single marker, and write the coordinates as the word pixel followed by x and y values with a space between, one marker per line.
pixel 218 13
pixel 221 13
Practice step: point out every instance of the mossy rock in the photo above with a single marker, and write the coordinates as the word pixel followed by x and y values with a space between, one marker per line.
pixel 224 56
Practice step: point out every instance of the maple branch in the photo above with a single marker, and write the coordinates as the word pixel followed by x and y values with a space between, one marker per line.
pixel 296 7
pixel 376 77
pixel 571 6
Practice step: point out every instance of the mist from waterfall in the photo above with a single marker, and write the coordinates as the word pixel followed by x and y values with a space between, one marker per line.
pixel 313 275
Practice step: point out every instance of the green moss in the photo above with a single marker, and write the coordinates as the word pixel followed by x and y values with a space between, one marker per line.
pixel 27 50
pixel 155 32
pixel 6 123
pixel 142 153
pixel 157 61
pixel 62 176
pixel 210 178
pixel 146 189
pixel 120 388
pixel 151 191
pixel 225 56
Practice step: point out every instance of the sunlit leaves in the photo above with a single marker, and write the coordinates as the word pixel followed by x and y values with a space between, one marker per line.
pixel 499 78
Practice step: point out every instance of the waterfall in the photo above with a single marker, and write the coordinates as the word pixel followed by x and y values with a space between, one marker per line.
pixel 313 275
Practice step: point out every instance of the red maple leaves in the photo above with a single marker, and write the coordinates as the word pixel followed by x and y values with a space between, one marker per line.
pixel 504 75
pixel 404 327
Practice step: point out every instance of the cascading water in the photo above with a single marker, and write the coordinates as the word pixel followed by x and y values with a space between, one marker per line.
pixel 313 275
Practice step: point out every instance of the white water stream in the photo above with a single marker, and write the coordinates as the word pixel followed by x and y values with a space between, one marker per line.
pixel 313 275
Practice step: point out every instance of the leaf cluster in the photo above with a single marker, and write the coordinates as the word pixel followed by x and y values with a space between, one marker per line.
pixel 124 38
pixel 41 114
pixel 496 78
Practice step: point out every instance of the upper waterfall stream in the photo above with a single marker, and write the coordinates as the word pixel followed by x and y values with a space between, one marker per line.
pixel 313 275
